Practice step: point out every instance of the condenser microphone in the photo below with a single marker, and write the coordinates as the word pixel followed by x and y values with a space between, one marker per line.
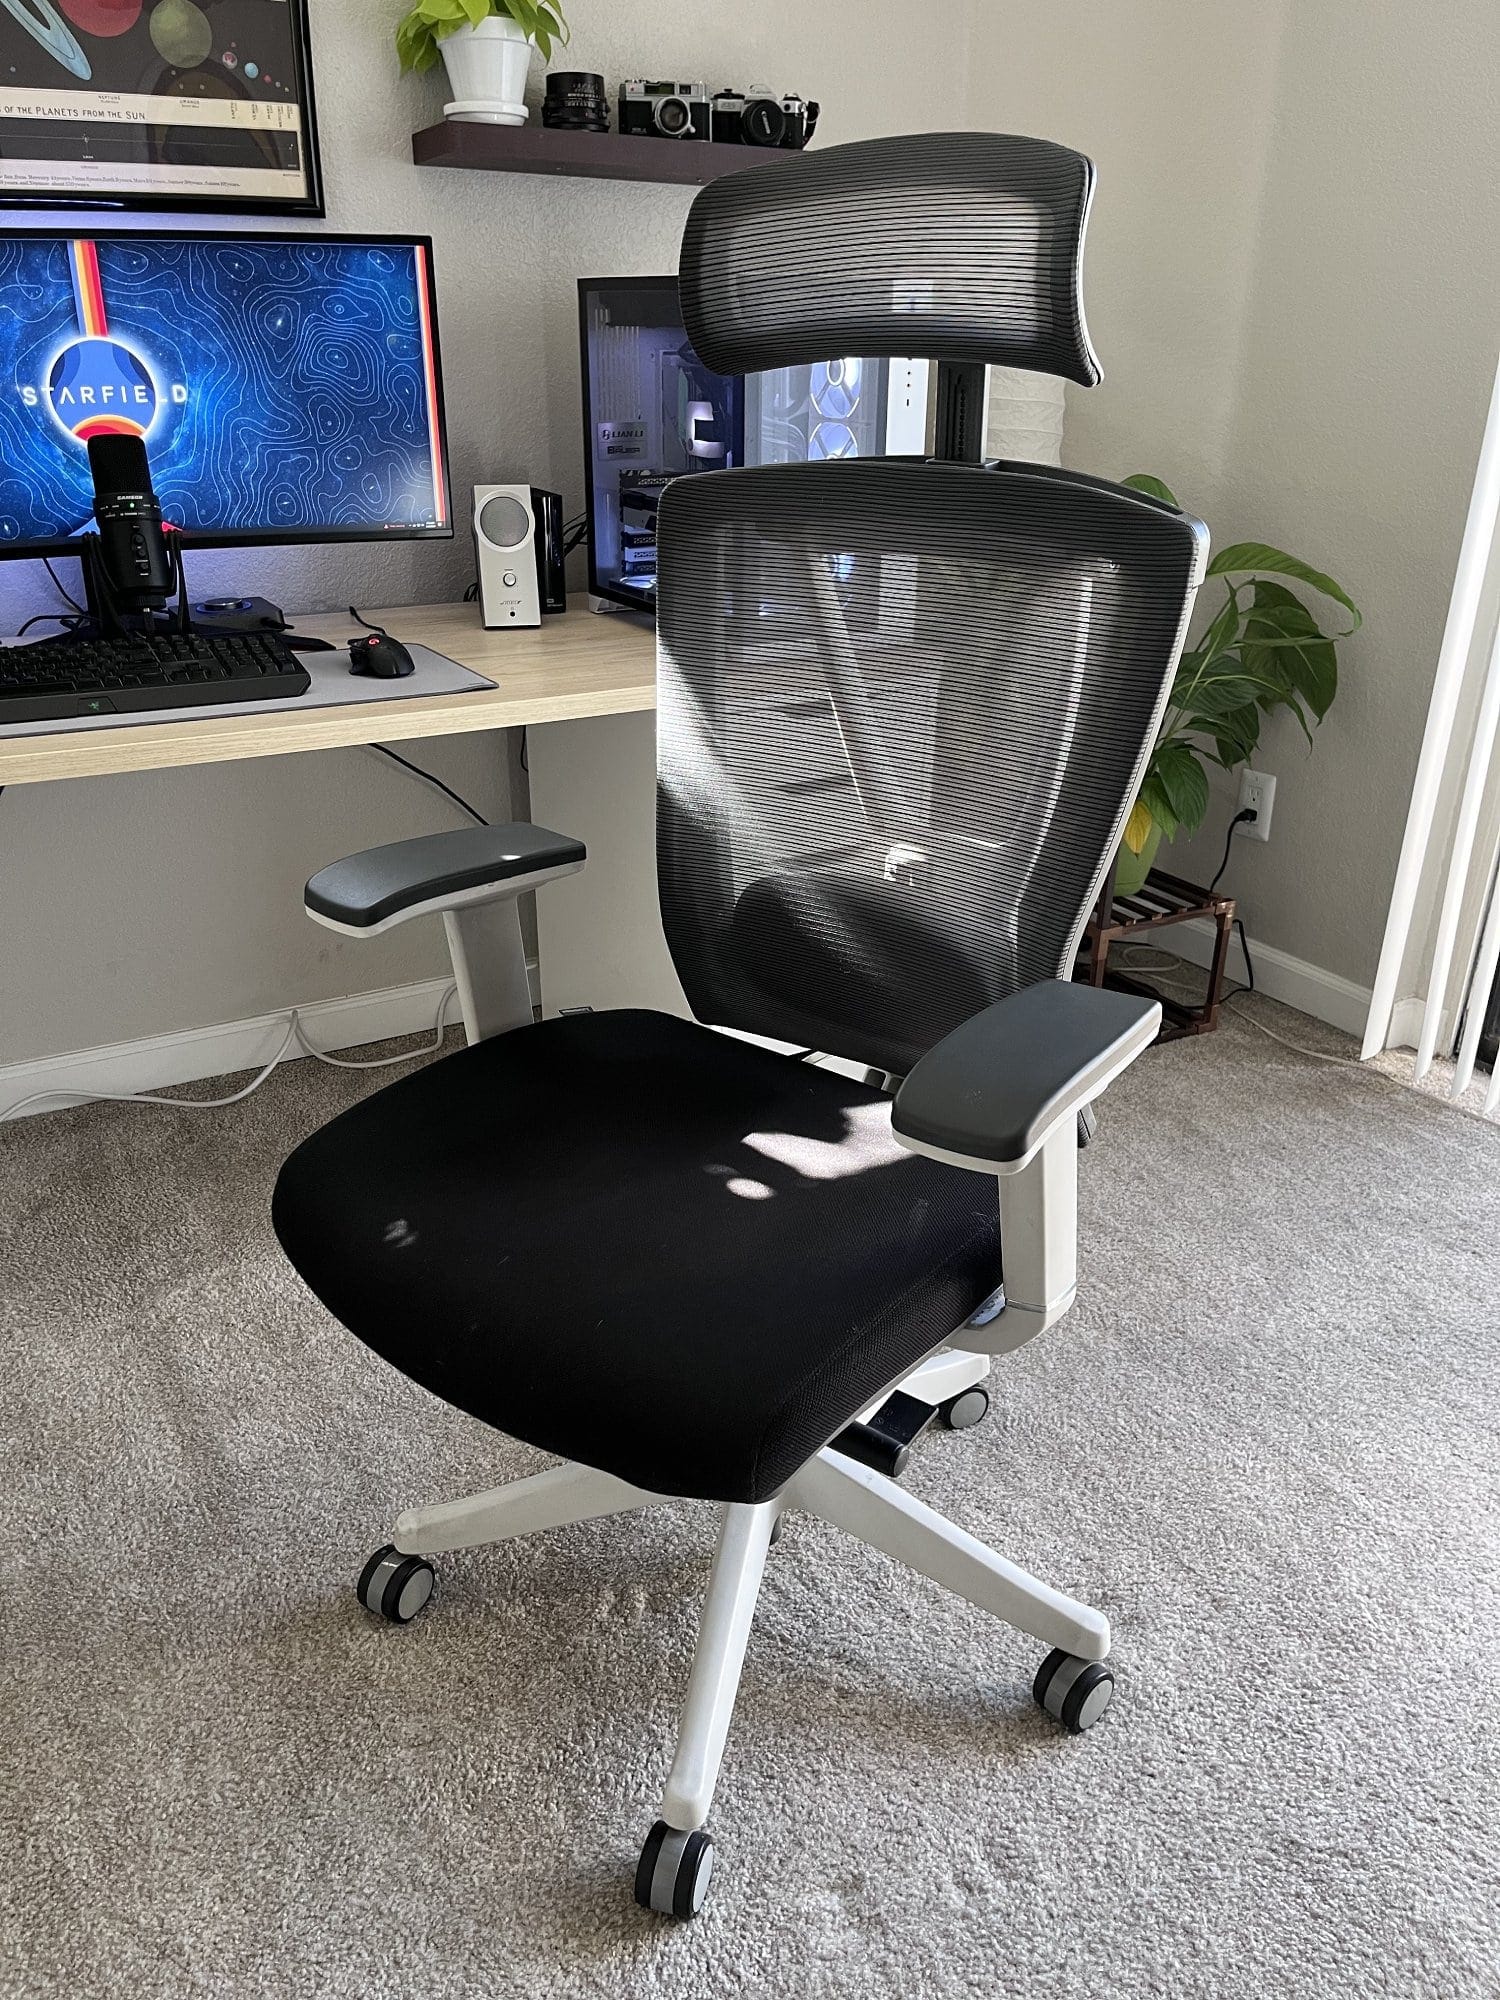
pixel 132 547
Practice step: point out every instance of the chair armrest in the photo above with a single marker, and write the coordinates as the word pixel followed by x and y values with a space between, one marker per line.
pixel 990 1093
pixel 368 893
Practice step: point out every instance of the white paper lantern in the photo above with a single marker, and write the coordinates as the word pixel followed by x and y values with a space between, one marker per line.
pixel 1025 416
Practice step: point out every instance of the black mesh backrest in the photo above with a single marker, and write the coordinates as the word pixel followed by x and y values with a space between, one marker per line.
pixel 903 712
pixel 962 245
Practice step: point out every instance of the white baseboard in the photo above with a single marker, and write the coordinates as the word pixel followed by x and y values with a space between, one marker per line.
pixel 156 1062
pixel 1405 1030
pixel 1293 981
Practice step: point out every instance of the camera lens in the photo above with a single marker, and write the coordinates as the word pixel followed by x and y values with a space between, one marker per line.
pixel 673 117
pixel 575 101
pixel 765 122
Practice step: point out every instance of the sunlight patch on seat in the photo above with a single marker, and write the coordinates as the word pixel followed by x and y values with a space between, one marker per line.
pixel 827 1159
pixel 749 1190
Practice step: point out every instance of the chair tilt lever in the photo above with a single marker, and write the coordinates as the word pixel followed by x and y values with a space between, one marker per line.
pixel 884 1441
pixel 883 1438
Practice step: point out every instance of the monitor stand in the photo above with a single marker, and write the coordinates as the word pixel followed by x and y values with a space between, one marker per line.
pixel 217 617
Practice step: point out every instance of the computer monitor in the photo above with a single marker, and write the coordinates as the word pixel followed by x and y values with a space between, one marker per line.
pixel 287 387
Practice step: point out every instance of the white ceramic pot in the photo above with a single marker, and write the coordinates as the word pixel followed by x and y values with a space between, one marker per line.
pixel 487 69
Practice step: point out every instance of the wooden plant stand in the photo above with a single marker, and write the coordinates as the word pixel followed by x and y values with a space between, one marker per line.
pixel 1161 901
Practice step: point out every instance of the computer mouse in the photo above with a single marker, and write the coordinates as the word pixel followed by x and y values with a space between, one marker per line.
pixel 379 654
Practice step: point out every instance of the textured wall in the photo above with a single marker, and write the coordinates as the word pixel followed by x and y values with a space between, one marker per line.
pixel 1369 351
pixel 135 906
pixel 1173 101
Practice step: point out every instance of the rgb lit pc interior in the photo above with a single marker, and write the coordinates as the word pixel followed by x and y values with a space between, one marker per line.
pixel 288 388
pixel 654 412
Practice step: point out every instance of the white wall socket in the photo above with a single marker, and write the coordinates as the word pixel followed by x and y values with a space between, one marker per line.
pixel 1258 792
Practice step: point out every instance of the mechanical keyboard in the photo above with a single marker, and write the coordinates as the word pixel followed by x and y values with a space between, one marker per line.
pixel 60 678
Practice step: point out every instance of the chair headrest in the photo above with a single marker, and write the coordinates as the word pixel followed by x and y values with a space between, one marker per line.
pixel 944 246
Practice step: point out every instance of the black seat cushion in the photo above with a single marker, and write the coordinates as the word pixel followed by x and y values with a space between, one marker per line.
pixel 640 1244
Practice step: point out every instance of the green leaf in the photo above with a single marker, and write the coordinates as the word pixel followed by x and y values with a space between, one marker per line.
pixel 1221 631
pixel 1218 695
pixel 1209 652
pixel 1253 558
pixel 1176 768
pixel 1155 801
pixel 1145 482
pixel 415 44
pixel 419 33
pixel 1237 735
pixel 1280 627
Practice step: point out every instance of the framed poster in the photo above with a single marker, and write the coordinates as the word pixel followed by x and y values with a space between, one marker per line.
pixel 183 104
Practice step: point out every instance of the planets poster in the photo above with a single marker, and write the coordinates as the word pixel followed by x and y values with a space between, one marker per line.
pixel 158 103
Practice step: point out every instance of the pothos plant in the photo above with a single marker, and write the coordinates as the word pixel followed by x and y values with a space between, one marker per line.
pixel 420 31
pixel 1263 650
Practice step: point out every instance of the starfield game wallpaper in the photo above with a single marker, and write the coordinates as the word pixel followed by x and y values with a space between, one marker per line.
pixel 284 387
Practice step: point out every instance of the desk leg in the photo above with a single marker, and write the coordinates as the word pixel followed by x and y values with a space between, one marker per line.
pixel 599 935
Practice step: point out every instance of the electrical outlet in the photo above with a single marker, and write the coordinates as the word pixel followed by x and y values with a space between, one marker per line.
pixel 1258 793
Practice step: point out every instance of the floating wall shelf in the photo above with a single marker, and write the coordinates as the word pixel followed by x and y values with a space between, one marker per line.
pixel 536 149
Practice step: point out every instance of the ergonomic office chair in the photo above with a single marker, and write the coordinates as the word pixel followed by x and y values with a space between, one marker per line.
pixel 904 709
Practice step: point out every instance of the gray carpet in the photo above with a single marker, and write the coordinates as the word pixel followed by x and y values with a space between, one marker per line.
pixel 1265 1443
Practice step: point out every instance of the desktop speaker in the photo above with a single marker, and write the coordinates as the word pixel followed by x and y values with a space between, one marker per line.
pixel 550 558
pixel 506 520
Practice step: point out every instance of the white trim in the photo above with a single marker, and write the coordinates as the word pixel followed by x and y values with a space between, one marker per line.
pixel 1296 983
pixel 1406 1024
pixel 1431 783
pixel 156 1062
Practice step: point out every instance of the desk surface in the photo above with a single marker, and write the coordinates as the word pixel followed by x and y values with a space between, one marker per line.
pixel 575 666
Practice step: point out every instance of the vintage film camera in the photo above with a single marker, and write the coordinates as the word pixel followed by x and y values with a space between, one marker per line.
pixel 762 118
pixel 664 110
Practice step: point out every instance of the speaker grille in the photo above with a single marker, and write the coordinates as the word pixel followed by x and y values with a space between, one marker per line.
pixel 504 522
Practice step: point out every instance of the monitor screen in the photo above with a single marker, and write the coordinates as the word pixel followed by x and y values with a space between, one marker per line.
pixel 287 387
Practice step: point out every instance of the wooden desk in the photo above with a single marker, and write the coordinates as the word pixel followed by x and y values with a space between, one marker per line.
pixel 574 667
pixel 583 685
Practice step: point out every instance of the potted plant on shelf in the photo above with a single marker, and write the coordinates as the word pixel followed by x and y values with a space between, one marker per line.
pixel 1263 650
pixel 487 46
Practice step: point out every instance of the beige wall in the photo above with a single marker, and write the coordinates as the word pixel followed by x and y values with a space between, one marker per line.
pixel 1293 282
pixel 136 906
pixel 1173 101
pixel 1369 353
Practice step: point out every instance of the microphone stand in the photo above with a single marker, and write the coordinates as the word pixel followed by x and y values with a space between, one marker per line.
pixel 107 617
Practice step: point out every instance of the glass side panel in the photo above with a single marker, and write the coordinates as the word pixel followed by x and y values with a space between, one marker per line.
pixel 655 412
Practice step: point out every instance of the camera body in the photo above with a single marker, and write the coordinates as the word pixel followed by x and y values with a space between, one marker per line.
pixel 761 117
pixel 664 110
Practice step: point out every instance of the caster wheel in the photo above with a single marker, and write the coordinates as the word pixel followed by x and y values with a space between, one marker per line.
pixel 1074 1692
pixel 674 1872
pixel 777 1529
pixel 961 1413
pixel 394 1586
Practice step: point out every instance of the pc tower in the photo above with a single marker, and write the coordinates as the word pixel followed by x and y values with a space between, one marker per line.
pixel 653 412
